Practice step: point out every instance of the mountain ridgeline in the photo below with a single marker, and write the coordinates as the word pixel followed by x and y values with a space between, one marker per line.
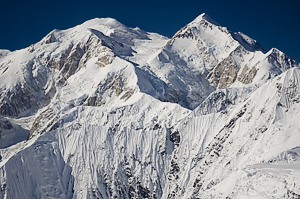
pixel 102 110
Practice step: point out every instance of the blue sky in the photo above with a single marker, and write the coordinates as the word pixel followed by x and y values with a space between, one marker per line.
pixel 273 23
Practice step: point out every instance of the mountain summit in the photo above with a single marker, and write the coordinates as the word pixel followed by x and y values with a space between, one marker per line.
pixel 102 110
pixel 205 17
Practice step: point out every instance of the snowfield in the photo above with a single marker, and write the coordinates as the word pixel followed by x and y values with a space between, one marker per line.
pixel 102 110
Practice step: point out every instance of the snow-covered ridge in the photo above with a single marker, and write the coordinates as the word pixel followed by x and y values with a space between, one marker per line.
pixel 102 110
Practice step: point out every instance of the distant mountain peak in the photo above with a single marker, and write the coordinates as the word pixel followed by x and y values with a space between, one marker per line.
pixel 206 17
pixel 108 21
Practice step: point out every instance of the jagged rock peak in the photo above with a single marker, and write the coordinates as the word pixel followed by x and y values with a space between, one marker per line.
pixel 202 22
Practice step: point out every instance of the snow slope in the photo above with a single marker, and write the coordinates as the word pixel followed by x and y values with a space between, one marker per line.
pixel 102 110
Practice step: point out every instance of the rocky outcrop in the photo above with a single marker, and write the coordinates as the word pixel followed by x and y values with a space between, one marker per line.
pixel 224 74
pixel 43 122
pixel 114 86
pixel 247 75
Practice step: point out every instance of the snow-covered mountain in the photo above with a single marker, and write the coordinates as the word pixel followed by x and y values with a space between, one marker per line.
pixel 102 110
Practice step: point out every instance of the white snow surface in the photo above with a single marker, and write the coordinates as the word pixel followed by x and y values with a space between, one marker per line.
pixel 102 110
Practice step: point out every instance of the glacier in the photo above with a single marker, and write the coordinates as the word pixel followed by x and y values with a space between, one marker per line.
pixel 102 110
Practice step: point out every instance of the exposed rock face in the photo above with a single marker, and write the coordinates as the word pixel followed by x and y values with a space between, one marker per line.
pixel 105 57
pixel 42 123
pixel 247 75
pixel 39 87
pixel 77 55
pixel 106 111
pixel 113 85
pixel 224 74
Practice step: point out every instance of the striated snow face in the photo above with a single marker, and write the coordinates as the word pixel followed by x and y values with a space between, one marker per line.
pixel 102 110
